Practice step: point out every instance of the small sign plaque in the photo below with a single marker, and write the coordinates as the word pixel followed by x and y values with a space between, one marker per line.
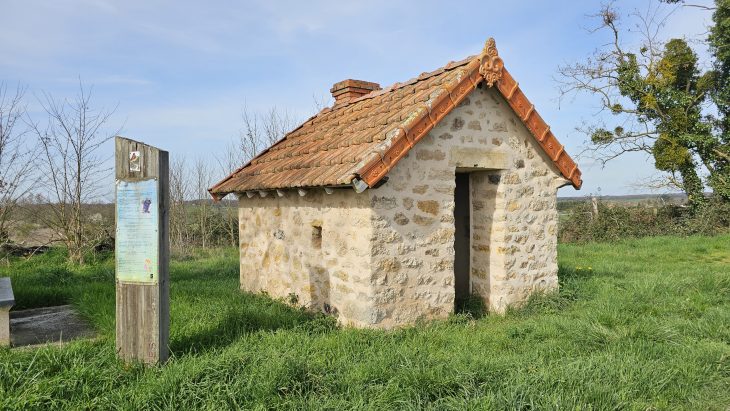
pixel 137 231
pixel 134 161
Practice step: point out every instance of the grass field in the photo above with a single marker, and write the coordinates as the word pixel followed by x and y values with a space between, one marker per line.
pixel 643 324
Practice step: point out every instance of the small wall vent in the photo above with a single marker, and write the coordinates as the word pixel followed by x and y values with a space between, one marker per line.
pixel 317 236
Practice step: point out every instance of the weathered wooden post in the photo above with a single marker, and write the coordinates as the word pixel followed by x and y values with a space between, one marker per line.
pixel 142 251
pixel 594 207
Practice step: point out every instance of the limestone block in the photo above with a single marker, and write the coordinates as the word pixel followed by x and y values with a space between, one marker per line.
pixel 420 189
pixel 425 155
pixel 469 157
pixel 423 220
pixel 428 206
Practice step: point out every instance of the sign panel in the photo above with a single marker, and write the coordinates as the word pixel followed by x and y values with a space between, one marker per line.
pixel 134 161
pixel 137 231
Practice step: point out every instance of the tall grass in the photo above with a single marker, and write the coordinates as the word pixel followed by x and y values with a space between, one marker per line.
pixel 640 324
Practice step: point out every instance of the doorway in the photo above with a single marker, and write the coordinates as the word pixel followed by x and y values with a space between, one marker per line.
pixel 462 239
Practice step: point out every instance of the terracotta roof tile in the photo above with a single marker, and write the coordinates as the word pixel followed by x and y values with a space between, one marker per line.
pixel 365 137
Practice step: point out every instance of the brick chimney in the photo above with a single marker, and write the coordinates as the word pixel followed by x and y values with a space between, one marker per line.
pixel 348 90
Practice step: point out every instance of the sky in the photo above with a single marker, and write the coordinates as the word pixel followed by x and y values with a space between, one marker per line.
pixel 178 73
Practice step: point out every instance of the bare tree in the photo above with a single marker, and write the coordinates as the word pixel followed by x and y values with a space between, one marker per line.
pixel 17 156
pixel 657 96
pixel 179 193
pixel 320 102
pixel 263 130
pixel 229 161
pixel 277 124
pixel 597 75
pixel 73 165
pixel 203 178
pixel 684 4
pixel 260 130
pixel 229 216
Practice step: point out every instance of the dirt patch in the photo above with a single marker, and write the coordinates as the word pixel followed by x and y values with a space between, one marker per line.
pixel 47 325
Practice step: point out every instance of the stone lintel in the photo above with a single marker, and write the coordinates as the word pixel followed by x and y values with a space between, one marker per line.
pixel 470 157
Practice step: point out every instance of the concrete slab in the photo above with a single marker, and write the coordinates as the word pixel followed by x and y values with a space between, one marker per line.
pixel 47 325
pixel 7 299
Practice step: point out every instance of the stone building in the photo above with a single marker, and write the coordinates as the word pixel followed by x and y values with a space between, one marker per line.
pixel 394 203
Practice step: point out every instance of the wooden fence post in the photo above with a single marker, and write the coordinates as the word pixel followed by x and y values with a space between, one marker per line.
pixel 594 207
pixel 142 252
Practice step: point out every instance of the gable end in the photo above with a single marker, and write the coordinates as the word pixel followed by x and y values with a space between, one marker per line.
pixel 489 69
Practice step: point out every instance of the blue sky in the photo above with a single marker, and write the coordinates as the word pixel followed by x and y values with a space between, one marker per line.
pixel 180 72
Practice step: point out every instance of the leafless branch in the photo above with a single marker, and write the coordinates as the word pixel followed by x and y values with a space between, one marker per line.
pixel 73 165
pixel 17 156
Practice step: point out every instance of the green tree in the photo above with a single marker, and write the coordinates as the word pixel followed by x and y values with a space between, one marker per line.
pixel 719 40
pixel 660 98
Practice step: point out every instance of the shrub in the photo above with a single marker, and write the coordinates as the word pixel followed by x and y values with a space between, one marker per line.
pixel 613 222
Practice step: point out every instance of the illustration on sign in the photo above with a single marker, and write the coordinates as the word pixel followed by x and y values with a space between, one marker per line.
pixel 134 161
pixel 137 231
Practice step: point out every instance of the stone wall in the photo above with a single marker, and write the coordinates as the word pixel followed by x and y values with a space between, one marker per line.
pixel 514 216
pixel 281 254
pixel 386 257
pixel 488 222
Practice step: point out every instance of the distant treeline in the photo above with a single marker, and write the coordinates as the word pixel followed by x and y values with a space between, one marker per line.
pixel 193 224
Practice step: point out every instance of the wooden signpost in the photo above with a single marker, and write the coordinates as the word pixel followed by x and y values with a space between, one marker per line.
pixel 142 251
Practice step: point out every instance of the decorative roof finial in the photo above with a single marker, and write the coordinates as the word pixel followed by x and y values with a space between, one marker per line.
pixel 490 64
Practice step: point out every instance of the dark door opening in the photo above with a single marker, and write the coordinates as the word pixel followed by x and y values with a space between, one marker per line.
pixel 462 238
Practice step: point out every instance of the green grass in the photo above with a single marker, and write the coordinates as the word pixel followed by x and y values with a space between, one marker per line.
pixel 646 327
